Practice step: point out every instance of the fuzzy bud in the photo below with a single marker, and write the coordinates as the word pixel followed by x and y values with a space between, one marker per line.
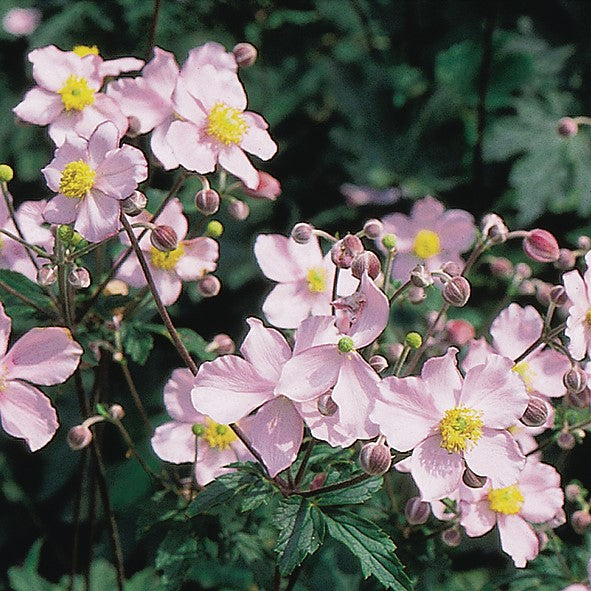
pixel 302 233
pixel 416 295
pixel 47 275
pixel 164 238
pixel 375 458
pixel 584 243
pixel 451 268
pixel 578 399
pixel 345 250
pixel 580 521
pixel 456 291
pixel 239 210
pixel 567 259
pixel 373 228
pixel 542 292
pixel 541 246
pixel 501 267
pixel 6 173
pixel 214 229
pixel 575 379
pixel 421 277
pixel 451 537
pixel 459 332
pixel 116 411
pixel 572 492
pixel 389 241
pixel 79 437
pixel 378 362
pixel 318 480
pixel 245 54
pixel 79 278
pixel 558 296
pixel 566 440
pixel 417 511
pixel 536 413
pixel 134 204
pixel 221 344
pixel 567 127
pixel 326 405
pixel 413 340
pixel 207 201
pixel 368 262
pixel 209 286
pixel 473 480
pixel 494 228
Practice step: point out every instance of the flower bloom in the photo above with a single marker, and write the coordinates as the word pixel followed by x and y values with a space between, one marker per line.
pixel 430 236
pixel 450 422
pixel 190 260
pixel 578 324
pixel 191 432
pixel 91 177
pixel 42 356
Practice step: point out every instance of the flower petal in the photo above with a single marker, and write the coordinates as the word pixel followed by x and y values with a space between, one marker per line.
pixel 174 442
pixel 518 539
pixel 177 397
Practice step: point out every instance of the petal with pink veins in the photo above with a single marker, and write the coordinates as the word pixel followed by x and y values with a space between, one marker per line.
pixel 515 329
pixel 287 306
pixel 103 139
pixel 98 216
pixel 211 462
pixel 443 380
pixel 542 495
pixel 184 139
pixel 316 330
pixel 257 140
pixel 373 316
pixel 120 172
pixel 200 257
pixel 61 209
pixel 168 284
pixel 274 254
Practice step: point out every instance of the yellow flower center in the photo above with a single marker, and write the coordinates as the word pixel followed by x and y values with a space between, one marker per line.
pixel 84 50
pixel 426 244
pixel 588 317
pixel 506 500
pixel 226 124
pixel 167 260
pixel 77 179
pixel 460 427
pixel 526 373
pixel 317 279
pixel 76 94
pixel 218 435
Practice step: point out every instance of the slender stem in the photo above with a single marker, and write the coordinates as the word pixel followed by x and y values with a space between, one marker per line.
pixel 336 486
pixel 388 272
pixel 400 361
pixel 550 440
pixel 399 291
pixel 335 282
pixel 135 395
pixel 302 469
pixel 153 27
pixel 25 299
pixel 62 282
pixel 36 249
pixel 242 436
pixel 543 338
pixel 77 508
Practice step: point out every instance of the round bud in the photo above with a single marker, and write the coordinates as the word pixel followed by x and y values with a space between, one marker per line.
pixel 326 405
pixel 389 241
pixel 452 536
pixel 47 275
pixel 214 229
pixel 207 201
pixel 580 521
pixel 79 278
pixel 567 127
pixel 459 332
pixel 65 232
pixel 567 259
pixel 346 345
pixel 494 228
pixel 375 458
pixel 572 492
pixel 368 262
pixel 221 344
pixel 413 340
pixel 578 399
pixel 416 295
pixel 164 238
pixel 456 291
pixel 378 362
pixel 541 246
pixel 116 411
pixel 373 228
pixel 417 511
pixel 566 440
pixel 344 251
pixel 575 379
pixel 473 480
pixel 421 277
pixel 198 429
pixel 558 519
pixel 302 233
pixel 134 204
pixel 558 296
pixel 451 268
pixel 79 437
pixel 239 210
pixel 6 173
pixel 318 480
pixel 245 54
pixel 501 267
pixel 209 286
pixel 536 413
pixel 584 242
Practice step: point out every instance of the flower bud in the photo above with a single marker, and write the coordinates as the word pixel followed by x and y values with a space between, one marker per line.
pixel 134 204
pixel 214 229
pixel 47 275
pixel 268 187
pixel 542 539
pixel 584 243
pixel 541 246
pixel 558 296
pixel 389 241
pixel 527 288
pixel 567 259
pixel 378 362
pixel 416 295
pixel 558 519
pixel 6 173
pixel 345 250
pixel 566 440
pixel 209 286
pixel 116 411
pixel 198 429
pixel 207 201
pixel 456 291
pixel 221 344
pixel 366 261
pixel 373 228
pixel 536 413
pixel 413 340
pixel 318 480
pixel 65 232
pixel 421 277
pixel 494 228
pixel 164 238
pixel 417 511
pixel 459 332
pixel 79 437
pixel 302 233
pixel 451 268
pixel 501 267
pixel 326 405
pixel 375 458
pixel 567 127
pixel 572 492
pixel 451 536
pixel 245 54
pixel 575 379
pixel 580 521
pixel 542 292
pixel 239 210
pixel 578 399
pixel 473 480
pixel 79 278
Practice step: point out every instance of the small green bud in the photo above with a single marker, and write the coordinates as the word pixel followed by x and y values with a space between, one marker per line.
pixel 413 340
pixel 389 241
pixel 77 240
pixel 65 233
pixel 214 229
pixel 346 345
pixel 198 429
pixel 6 173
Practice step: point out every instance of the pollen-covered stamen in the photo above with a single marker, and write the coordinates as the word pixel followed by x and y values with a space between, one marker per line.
pixel 217 435
pixel 460 428
pixel 588 317
pixel 226 124
pixel 525 372
pixel 84 50
pixel 506 500
pixel 77 179
pixel 2 378
pixel 76 94
pixel 426 244
pixel 166 260
pixel 317 279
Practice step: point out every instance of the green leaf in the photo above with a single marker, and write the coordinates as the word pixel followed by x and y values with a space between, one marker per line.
pixel 372 546
pixel 25 578
pixel 194 343
pixel 351 495
pixel 176 555
pixel 21 284
pixel 137 342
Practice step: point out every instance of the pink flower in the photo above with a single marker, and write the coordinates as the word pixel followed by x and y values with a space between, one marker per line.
pixel 304 276
pixel 189 261
pixel 42 356
pixel 91 177
pixel 177 441
pixel 67 97
pixel 430 236
pixel 109 67
pixel 268 187
pixel 21 21
pixel 231 387
pixel 450 422
pixel 578 324
pixel 535 497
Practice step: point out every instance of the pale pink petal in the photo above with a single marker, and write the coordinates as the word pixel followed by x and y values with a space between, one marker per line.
pixel 257 140
pixel 161 148
pixel 131 272
pixel 477 518
pixel 515 329
pixel 274 254
pixel 478 352
pixel 177 397
pixel 518 539
pixel 120 172
pixel 27 413
pixel 61 209
pixel 191 152
pixel 578 335
pixel 122 64
pixel 456 230
pixel 222 85
pixel 443 380
pixel 425 213
pixel 172 215
pixel 104 139
pixel 162 72
pixel 373 316
pixel 5 328
pixel 103 109
pixel 325 428
pixel 52 67
pixel 168 284
pixel 316 330
pixel 200 257
pixel 287 305
pixel 29 216
pixel 43 356
pixel 404 263
pixel 235 161
pixel 547 369
pixel 70 151
pixel 98 216
pixel 39 106
pixel 542 496
pixel 211 462
pixel 174 442
pixel 575 289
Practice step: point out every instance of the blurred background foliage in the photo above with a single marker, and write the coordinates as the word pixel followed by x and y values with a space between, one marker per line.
pixel 459 99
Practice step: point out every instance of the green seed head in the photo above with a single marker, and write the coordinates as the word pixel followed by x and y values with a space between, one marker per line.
pixel 346 345
pixel 413 340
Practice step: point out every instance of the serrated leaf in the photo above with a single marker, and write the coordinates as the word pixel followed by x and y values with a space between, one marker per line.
pixel 21 284
pixel 351 495
pixel 176 556
pixel 194 342
pixel 137 342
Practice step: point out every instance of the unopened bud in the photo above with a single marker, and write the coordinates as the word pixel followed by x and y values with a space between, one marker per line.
pixel 459 332
pixel 558 296
pixel 421 277
pixel 417 511
pixel 198 429
pixel 375 458
pixel 536 413
pixel 575 379
pixel 47 275
pixel 572 492
pixel 473 480
pixel 389 241
pixel 567 259
pixel 326 405
pixel 221 344
pixel 116 411
pixel 527 287
pixel 79 437
pixel 214 229
pixel 368 262
pixel 501 267
pixel 239 210
pixel 451 268
pixel 416 295
pixel 378 362
pixel 541 246
pixel 302 233
pixel 209 286
pixel 567 127
pixel 65 232
pixel 164 238
pixel 345 250
pixel 245 54
pixel 456 291
pixel 207 201
pixel 79 278
pixel 268 188
pixel 557 520
pixel 584 243
pixel 318 481
pixel 494 228
pixel 373 228
pixel 566 440
pixel 6 173
pixel 413 340
pixel 580 521
pixel 452 536
pixel 578 399
pixel 542 539
pixel 134 204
